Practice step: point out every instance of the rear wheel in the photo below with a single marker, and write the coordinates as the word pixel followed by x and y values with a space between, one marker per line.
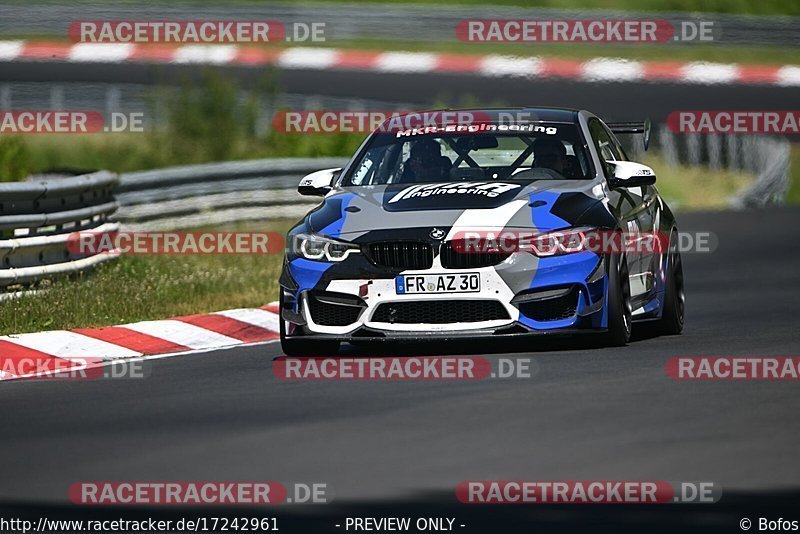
pixel 305 347
pixel 671 322
pixel 620 312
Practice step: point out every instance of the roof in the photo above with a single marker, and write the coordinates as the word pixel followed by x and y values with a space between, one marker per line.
pixel 444 117
pixel 531 114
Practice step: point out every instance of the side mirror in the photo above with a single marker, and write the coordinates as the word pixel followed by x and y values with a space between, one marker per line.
pixel 318 183
pixel 630 174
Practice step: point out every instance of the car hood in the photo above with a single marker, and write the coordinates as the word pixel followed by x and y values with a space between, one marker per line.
pixel 539 204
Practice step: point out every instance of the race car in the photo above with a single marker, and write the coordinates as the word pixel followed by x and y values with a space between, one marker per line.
pixel 383 256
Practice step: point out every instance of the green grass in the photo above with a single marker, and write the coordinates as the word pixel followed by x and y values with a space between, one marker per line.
pixel 690 188
pixel 14 160
pixel 210 119
pixel 138 151
pixel 793 195
pixel 138 288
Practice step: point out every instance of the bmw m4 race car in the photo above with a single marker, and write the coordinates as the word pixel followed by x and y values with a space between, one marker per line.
pixel 383 258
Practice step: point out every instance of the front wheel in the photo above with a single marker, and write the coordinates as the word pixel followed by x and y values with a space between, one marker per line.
pixel 309 347
pixel 304 347
pixel 620 312
pixel 671 322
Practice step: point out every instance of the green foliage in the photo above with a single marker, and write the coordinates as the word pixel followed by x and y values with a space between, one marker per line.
pixel 14 158
pixel 207 119
pixel 793 196
pixel 207 123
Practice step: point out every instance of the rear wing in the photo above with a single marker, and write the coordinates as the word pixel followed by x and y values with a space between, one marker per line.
pixel 634 127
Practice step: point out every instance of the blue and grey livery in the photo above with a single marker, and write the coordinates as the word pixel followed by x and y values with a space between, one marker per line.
pixel 375 262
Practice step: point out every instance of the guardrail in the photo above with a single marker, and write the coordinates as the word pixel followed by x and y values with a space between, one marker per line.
pixel 36 219
pixel 203 195
pixel 766 157
pixel 773 182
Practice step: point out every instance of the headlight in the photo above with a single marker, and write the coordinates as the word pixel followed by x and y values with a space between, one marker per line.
pixel 319 248
pixel 558 243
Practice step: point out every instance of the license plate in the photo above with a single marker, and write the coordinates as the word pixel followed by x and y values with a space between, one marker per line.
pixel 409 284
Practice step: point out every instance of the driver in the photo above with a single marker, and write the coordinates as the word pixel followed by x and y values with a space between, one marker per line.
pixel 426 163
pixel 549 154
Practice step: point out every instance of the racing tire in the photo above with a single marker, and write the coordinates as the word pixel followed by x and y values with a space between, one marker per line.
pixel 620 312
pixel 309 347
pixel 304 347
pixel 671 322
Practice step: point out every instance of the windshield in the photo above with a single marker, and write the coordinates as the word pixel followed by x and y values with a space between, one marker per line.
pixel 546 151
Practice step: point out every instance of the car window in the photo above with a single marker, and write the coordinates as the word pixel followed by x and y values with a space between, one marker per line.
pixel 606 147
pixel 547 151
pixel 619 151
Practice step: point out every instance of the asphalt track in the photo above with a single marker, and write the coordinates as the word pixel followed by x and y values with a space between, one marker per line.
pixel 614 101
pixel 401 447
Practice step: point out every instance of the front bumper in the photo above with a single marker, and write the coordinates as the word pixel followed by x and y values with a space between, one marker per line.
pixel 521 296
